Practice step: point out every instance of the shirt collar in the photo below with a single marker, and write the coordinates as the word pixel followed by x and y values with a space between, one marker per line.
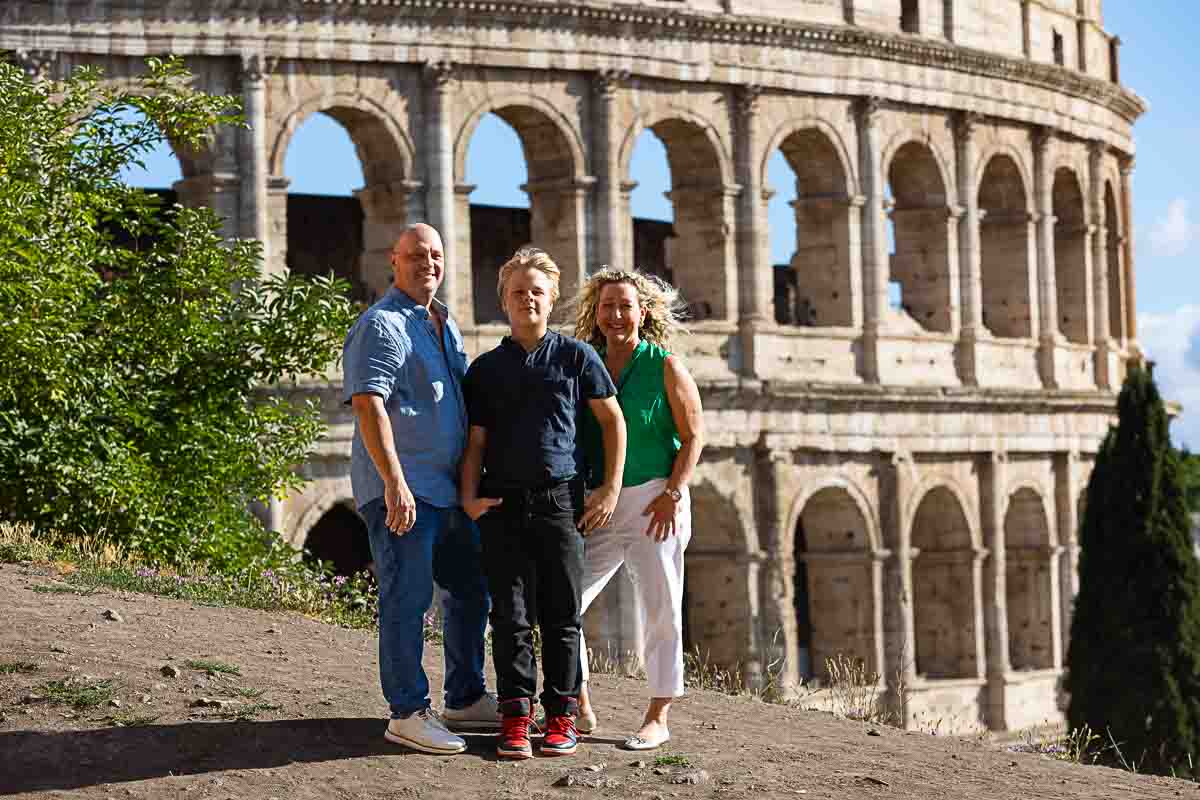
pixel 400 298
pixel 513 345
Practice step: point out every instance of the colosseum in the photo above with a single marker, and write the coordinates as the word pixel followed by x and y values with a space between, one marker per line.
pixel 902 419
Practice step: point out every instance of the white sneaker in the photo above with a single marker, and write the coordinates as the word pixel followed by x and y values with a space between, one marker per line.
pixel 426 733
pixel 483 714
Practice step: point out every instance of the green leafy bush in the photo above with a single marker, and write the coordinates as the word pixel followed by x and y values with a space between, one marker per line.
pixel 137 345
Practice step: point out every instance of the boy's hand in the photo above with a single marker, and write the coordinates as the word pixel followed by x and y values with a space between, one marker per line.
pixel 598 508
pixel 480 505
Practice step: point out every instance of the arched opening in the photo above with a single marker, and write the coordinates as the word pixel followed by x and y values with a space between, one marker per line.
pixel 332 224
pixel 499 210
pixel 160 170
pixel 813 286
pixel 699 257
pixel 1114 261
pixel 1004 235
pixel 556 202
pixel 650 207
pixel 834 594
pixel 1028 580
pixel 943 580
pixel 340 538
pixel 920 263
pixel 1070 256
pixel 718 604
pixel 325 220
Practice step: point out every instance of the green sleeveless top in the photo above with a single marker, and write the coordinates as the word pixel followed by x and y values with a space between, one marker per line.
pixel 653 441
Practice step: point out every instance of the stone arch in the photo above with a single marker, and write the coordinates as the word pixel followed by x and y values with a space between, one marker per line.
pixel 1114 265
pixel 555 164
pixel 700 256
pixel 948 484
pixel 925 241
pixel 855 494
pixel 1070 255
pixel 1019 160
pixel 836 579
pixel 1029 580
pixel 331 529
pixel 1005 239
pixel 818 287
pixel 720 587
pixel 386 154
pixel 946 586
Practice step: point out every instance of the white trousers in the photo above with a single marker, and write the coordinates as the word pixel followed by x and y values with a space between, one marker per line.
pixel 656 570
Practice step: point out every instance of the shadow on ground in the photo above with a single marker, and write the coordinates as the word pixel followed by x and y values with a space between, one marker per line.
pixel 65 760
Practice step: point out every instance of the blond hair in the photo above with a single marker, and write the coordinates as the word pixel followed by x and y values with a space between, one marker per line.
pixel 529 257
pixel 661 302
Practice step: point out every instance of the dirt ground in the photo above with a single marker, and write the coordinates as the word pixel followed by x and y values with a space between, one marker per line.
pixel 315 731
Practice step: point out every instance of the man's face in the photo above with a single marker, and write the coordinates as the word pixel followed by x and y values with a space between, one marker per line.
pixel 527 297
pixel 417 263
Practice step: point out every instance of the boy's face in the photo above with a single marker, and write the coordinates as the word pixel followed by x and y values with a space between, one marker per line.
pixel 527 298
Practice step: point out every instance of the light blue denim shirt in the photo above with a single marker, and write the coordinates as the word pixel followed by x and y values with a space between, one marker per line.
pixel 392 351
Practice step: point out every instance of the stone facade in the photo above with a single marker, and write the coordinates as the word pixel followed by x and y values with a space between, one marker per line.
pixel 893 474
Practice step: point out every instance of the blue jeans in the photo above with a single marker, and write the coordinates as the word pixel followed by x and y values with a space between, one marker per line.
pixel 442 547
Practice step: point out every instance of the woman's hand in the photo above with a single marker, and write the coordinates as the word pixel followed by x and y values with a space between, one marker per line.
pixel 598 508
pixel 662 512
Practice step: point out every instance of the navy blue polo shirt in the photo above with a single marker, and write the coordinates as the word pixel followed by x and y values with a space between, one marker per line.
pixel 529 402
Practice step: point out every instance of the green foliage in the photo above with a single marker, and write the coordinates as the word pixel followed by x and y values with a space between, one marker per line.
pixel 1134 659
pixel 1190 464
pixel 137 344
pixel 80 695
pixel 212 667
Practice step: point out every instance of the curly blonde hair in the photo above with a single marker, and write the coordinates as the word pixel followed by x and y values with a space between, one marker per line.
pixel 663 306
pixel 529 257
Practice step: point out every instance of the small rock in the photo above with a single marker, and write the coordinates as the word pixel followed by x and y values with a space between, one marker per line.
pixel 690 778
pixel 712 726
pixel 58 648
pixel 112 615
pixel 145 698
pixel 32 698
pixel 661 771
pixel 586 781
pixel 873 732
pixel 160 687
pixel 1012 763
pixel 595 767
pixel 638 765
pixel 272 629
pixel 209 702
pixel 115 703
pixel 170 670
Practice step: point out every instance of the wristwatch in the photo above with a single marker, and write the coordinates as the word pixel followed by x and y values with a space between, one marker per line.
pixel 674 494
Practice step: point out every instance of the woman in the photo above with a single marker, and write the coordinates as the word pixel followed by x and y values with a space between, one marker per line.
pixel 630 319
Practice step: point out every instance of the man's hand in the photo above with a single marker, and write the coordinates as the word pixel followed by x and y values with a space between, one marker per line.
pixel 479 506
pixel 662 511
pixel 401 507
pixel 598 508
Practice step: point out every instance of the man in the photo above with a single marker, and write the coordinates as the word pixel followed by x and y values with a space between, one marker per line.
pixel 404 364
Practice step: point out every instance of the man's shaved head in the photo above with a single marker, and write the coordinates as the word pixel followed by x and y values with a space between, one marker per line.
pixel 418 264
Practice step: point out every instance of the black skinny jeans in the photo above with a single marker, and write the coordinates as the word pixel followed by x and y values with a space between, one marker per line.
pixel 533 557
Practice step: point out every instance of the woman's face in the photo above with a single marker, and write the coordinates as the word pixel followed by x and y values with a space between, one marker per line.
pixel 619 315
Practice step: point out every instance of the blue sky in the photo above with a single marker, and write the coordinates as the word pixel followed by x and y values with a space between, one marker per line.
pixel 1159 61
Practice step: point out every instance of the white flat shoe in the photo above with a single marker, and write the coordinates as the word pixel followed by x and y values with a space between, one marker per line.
pixel 642 743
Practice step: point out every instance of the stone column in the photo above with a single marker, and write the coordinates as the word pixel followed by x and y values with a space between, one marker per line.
pixel 969 254
pixel 558 212
pixel 1129 296
pixel 463 265
pixel 1099 249
pixel 755 281
pixel 439 138
pixel 1066 499
pixel 385 215
pixel 255 211
pixel 1047 291
pixel 609 231
pixel 875 259
pixel 277 221
pixel 995 597
pixel 899 640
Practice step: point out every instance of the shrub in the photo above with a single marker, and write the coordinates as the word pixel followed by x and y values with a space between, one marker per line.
pixel 136 343
pixel 1134 659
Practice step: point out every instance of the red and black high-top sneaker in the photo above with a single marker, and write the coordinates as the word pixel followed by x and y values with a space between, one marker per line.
pixel 561 737
pixel 515 719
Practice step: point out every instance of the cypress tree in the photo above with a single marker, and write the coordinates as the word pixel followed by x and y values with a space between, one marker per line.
pixel 1133 667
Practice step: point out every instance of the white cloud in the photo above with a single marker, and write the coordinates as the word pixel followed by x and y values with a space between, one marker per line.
pixel 1172 341
pixel 1173 234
